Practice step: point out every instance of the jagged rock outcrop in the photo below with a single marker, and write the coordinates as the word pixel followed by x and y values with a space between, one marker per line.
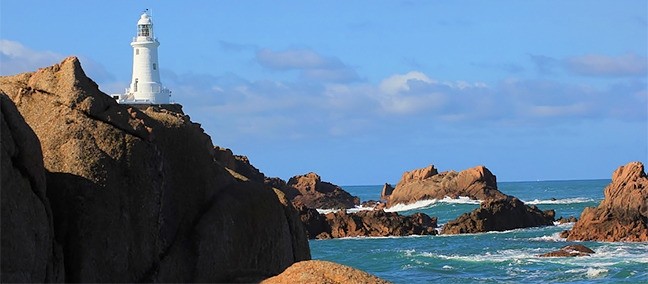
pixel 622 216
pixel 366 223
pixel 238 163
pixel 309 190
pixel 423 184
pixel 569 251
pixel 386 191
pixel 136 195
pixel 29 252
pixel 319 271
pixel 499 215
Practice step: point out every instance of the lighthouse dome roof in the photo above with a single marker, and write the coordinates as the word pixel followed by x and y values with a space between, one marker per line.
pixel 145 19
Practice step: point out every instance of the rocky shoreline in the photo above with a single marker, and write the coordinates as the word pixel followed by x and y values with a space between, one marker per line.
pixel 94 191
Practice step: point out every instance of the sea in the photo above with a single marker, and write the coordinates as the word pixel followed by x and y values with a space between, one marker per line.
pixel 493 257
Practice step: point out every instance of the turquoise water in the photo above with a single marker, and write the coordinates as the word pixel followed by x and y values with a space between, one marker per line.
pixel 509 256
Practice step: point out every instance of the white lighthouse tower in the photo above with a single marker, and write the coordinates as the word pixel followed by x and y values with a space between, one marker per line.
pixel 145 87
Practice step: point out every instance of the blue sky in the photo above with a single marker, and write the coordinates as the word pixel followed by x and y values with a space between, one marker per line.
pixel 361 91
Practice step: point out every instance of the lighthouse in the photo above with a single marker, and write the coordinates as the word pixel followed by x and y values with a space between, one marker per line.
pixel 145 87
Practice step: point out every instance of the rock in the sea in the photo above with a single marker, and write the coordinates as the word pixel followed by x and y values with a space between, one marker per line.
pixel 499 215
pixel 622 216
pixel 569 251
pixel 315 193
pixel 563 220
pixel 386 191
pixel 423 184
pixel 366 223
pixel 136 195
pixel 29 252
pixel 318 271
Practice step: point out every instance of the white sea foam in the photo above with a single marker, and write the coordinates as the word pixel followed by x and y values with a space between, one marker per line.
pixel 423 204
pixel 447 267
pixel 596 272
pixel 560 201
pixel 555 237
pixel 350 210
pixel 326 211
pixel 498 256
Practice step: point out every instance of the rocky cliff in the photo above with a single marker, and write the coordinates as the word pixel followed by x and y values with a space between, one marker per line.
pixel 623 213
pixel 135 193
pixel 422 184
pixel 29 252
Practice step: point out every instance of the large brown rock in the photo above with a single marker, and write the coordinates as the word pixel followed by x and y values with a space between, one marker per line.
pixel 312 192
pixel 136 195
pixel 622 216
pixel 29 252
pixel 423 184
pixel 499 215
pixel 366 223
pixel 324 272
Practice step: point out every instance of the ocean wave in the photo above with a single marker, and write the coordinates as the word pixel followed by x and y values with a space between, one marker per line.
pixel 555 237
pixel 589 272
pixel 424 204
pixel 560 201
pixel 350 210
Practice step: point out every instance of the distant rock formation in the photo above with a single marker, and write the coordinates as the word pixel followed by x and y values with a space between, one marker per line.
pixel 312 192
pixel 499 215
pixel 29 252
pixel 366 223
pixel 135 193
pixel 319 271
pixel 386 191
pixel 423 184
pixel 569 251
pixel 622 216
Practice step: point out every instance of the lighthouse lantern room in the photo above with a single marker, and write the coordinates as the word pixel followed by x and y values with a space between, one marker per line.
pixel 145 87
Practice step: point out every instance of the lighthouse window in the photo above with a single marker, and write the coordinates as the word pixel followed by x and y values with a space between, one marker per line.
pixel 137 51
pixel 143 30
pixel 154 66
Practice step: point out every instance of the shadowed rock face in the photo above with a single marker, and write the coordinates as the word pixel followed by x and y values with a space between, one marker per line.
pixel 29 253
pixel 136 195
pixel 499 215
pixel 424 184
pixel 386 191
pixel 623 213
pixel 318 271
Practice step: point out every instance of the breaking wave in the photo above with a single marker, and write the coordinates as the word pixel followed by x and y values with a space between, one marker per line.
pixel 423 204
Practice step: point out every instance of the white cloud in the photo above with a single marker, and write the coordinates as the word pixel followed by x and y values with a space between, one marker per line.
pixel 401 82
pixel 16 58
